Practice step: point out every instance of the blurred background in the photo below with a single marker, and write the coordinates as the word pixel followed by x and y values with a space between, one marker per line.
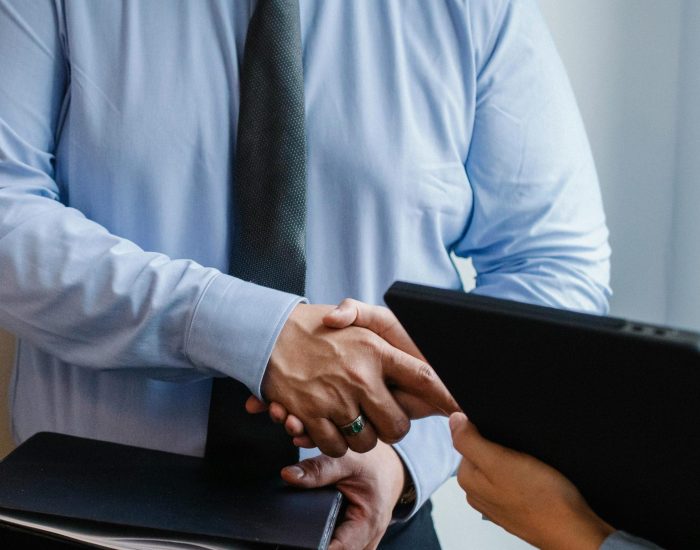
pixel 635 68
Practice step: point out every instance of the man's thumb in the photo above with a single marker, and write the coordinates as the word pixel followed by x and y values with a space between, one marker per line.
pixel 316 472
pixel 343 315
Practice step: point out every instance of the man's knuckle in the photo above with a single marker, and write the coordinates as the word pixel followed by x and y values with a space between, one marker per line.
pixel 368 341
pixel 364 445
pixel 401 425
pixel 397 429
pixel 359 376
pixel 315 468
pixel 337 451
pixel 334 447
pixel 425 374
pixel 333 351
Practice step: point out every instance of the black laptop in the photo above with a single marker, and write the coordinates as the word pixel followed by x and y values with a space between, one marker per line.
pixel 612 404
pixel 60 491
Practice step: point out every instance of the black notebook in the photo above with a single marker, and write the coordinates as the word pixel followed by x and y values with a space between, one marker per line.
pixel 613 404
pixel 116 496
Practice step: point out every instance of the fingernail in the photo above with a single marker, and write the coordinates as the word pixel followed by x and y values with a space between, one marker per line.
pixel 453 422
pixel 295 472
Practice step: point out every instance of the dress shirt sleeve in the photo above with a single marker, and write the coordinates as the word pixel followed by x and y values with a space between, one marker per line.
pixel 620 540
pixel 537 231
pixel 80 293
pixel 429 458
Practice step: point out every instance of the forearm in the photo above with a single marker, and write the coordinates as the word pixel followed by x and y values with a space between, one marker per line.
pixel 96 300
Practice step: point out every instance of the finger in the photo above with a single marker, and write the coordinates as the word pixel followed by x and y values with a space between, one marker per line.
pixel 361 442
pixel 318 471
pixel 327 437
pixel 379 320
pixel 278 414
pixel 413 406
pixel 304 442
pixel 389 420
pixel 417 378
pixel 294 426
pixel 461 433
pixel 353 534
pixel 484 454
pixel 343 315
pixel 253 405
pixel 365 441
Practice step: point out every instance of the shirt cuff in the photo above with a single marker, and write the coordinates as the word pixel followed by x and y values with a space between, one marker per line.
pixel 235 326
pixel 430 460
pixel 620 540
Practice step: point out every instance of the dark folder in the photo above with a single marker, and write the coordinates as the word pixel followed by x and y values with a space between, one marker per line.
pixel 613 404
pixel 70 488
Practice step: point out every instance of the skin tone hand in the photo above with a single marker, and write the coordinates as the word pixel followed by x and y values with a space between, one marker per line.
pixel 325 377
pixel 523 495
pixel 371 483
pixel 382 322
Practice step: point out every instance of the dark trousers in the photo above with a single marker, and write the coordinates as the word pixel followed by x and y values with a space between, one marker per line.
pixel 416 534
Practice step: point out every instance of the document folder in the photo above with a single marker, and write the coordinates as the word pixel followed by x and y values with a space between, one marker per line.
pixel 115 496
pixel 612 404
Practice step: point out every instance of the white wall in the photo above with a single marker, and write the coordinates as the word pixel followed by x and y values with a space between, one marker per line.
pixel 684 269
pixel 623 59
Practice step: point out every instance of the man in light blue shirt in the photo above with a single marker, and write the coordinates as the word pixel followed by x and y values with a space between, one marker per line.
pixel 434 128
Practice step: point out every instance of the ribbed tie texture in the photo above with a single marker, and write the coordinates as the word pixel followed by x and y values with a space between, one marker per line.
pixel 269 216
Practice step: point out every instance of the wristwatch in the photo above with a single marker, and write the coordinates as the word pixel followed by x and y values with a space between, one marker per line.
pixel 409 494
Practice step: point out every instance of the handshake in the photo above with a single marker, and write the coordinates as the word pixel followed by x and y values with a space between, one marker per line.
pixel 346 377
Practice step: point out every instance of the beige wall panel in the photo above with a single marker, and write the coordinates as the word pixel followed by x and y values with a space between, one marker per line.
pixel 7 350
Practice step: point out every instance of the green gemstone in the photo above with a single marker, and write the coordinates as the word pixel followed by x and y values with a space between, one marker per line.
pixel 357 426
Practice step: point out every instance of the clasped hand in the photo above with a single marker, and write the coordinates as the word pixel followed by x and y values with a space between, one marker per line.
pixel 332 364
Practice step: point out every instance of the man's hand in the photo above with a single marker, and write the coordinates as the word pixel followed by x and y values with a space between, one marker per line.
pixel 523 495
pixel 327 377
pixel 384 324
pixel 372 484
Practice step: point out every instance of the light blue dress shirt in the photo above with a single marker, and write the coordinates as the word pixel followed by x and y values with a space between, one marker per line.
pixel 434 127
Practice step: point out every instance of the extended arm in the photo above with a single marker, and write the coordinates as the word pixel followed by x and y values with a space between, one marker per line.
pixel 74 289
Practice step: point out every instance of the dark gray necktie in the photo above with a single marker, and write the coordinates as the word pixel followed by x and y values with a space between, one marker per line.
pixel 269 215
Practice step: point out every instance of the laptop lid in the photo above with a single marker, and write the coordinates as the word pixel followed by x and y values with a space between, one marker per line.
pixel 612 404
